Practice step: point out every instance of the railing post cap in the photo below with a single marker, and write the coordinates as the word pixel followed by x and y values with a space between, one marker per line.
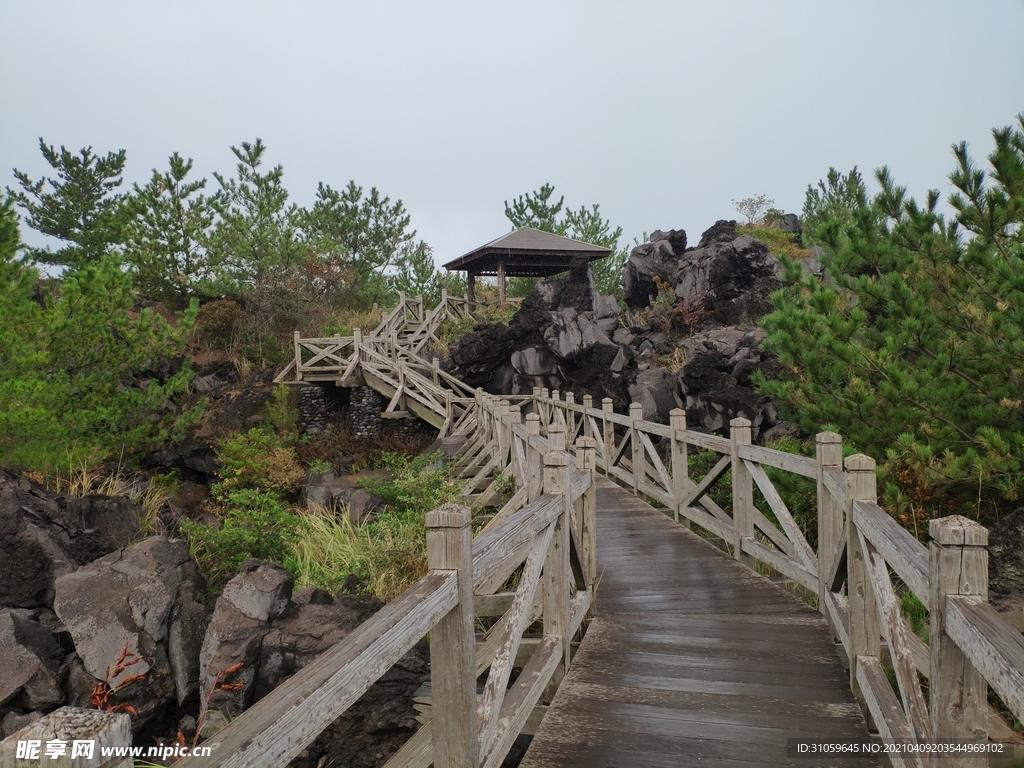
pixel 586 442
pixel 531 416
pixel 677 412
pixel 828 437
pixel 556 459
pixel 740 422
pixel 449 515
pixel 957 530
pixel 858 462
pixel 607 400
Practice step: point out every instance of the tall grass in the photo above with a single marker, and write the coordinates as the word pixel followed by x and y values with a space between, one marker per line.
pixel 389 554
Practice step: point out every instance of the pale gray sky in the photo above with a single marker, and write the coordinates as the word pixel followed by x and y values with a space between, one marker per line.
pixel 662 112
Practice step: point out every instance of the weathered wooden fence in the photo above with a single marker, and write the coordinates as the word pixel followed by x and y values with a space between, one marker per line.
pixel 547 542
pixel 861 552
pixel 863 562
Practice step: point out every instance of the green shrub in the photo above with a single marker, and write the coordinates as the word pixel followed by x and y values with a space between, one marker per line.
pixel 253 524
pixel 413 489
pixel 256 460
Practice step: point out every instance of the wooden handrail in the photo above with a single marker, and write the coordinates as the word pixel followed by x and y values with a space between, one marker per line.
pixel 849 574
pixel 864 614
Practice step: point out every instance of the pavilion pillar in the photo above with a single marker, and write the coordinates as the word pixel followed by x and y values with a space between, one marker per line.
pixel 501 284
pixel 471 289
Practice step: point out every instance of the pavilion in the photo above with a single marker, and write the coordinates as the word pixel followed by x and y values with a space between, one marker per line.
pixel 524 252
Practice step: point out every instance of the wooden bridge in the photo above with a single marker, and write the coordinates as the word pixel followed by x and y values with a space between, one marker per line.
pixel 691 653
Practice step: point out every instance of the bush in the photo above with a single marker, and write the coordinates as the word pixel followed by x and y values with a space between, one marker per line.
pixel 257 460
pixel 414 489
pixel 912 347
pixel 253 524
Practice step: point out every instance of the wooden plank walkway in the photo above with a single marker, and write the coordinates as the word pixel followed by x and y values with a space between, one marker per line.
pixel 692 660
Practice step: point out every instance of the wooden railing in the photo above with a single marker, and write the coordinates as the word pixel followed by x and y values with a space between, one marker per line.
pixel 850 576
pixel 544 541
pixel 405 330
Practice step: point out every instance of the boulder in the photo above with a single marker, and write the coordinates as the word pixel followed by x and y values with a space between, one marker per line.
pixel 657 390
pixel 240 621
pixel 44 535
pixel 29 663
pixel 534 361
pixel 261 590
pixel 362 506
pixel 656 259
pixel 730 281
pixel 232 639
pixel 570 333
pixel 304 633
pixel 129 600
pixel 722 231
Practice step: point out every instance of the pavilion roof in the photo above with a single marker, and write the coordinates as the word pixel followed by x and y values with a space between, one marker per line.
pixel 526 252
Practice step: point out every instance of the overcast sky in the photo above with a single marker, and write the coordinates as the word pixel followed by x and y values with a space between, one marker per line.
pixel 662 112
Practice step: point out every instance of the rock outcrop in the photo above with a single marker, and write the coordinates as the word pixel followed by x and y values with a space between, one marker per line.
pixel 142 599
pixel 560 335
pixel 688 339
pixel 45 535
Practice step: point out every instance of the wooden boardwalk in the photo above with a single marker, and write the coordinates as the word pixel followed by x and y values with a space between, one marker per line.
pixel 692 659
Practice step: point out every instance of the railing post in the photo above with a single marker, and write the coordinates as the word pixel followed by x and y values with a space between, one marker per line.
pixel 545 410
pixel 298 358
pixel 636 413
pixel 435 365
pixel 609 435
pixel 958 565
pixel 453 642
pixel 680 468
pixel 357 342
pixel 742 491
pixel 534 478
pixel 586 459
pixel 588 403
pixel 556 565
pixel 570 415
pixel 828 453
pixel 515 418
pixel 864 628
pixel 504 434
pixel 394 344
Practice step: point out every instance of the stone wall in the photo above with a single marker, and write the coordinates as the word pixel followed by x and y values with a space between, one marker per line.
pixel 314 413
pixel 364 412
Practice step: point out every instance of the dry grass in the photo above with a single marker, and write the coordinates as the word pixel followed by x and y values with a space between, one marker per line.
pixel 149 495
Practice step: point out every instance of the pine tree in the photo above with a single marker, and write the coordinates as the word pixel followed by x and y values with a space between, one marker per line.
pixel 82 376
pixel 537 211
pixel 913 347
pixel 352 241
pixel 167 233
pixel 254 238
pixel 78 207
